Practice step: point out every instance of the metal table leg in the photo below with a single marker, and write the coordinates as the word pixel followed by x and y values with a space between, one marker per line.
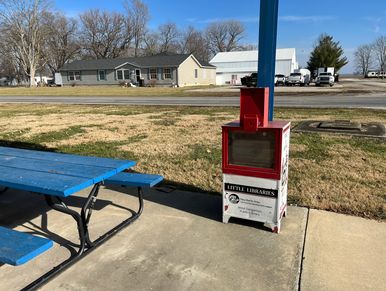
pixel 82 220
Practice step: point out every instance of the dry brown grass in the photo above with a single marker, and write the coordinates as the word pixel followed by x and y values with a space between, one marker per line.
pixel 113 90
pixel 350 181
pixel 344 87
pixel 184 144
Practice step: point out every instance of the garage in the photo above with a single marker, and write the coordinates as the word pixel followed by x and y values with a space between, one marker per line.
pixel 232 66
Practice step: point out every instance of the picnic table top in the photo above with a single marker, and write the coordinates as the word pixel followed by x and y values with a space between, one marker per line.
pixel 55 173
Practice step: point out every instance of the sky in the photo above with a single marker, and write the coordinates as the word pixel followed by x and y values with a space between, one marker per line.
pixel 351 22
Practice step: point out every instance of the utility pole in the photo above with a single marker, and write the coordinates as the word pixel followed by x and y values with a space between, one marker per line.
pixel 267 48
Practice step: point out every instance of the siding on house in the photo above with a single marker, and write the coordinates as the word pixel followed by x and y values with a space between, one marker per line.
pixel 184 70
pixel 90 77
pixel 160 80
pixel 191 73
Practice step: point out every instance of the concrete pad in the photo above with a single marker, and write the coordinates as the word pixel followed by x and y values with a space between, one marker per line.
pixel 344 253
pixel 178 243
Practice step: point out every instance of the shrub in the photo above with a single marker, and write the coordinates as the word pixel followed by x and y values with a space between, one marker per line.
pixel 152 83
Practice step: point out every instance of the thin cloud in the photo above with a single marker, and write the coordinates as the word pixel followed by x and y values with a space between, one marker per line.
pixel 211 20
pixel 372 18
pixel 309 18
pixel 288 18
pixel 191 19
pixel 375 21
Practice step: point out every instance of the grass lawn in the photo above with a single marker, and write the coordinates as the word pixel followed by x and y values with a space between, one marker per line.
pixel 112 91
pixel 332 172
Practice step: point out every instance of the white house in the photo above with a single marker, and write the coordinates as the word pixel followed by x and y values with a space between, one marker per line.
pixel 232 66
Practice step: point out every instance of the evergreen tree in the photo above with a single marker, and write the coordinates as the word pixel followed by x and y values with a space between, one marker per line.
pixel 327 53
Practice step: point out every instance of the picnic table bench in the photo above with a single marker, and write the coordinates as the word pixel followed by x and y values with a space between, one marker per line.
pixel 57 176
pixel 17 248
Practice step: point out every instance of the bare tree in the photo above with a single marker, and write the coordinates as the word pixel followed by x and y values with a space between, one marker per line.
pixel 248 47
pixel 187 40
pixel 62 43
pixel 9 66
pixel 364 58
pixel 193 42
pixel 136 22
pixel 21 27
pixel 235 34
pixel 151 44
pixel 379 47
pixel 102 34
pixel 168 37
pixel 224 36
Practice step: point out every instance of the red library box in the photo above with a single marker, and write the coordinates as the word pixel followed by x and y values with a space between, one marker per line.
pixel 255 162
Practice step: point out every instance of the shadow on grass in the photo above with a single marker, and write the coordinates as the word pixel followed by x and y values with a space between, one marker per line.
pixel 25 145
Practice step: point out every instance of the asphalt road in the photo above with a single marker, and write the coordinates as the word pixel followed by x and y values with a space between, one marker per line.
pixel 377 101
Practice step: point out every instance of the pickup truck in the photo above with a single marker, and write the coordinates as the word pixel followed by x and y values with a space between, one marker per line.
pixel 299 77
pixel 325 78
pixel 249 81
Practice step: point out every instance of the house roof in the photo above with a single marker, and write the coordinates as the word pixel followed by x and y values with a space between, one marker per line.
pixel 162 60
pixel 206 64
pixel 248 56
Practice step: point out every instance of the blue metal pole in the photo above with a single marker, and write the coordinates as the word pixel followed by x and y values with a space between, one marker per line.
pixel 267 48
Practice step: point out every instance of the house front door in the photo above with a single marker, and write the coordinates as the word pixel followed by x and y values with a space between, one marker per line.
pixel 138 75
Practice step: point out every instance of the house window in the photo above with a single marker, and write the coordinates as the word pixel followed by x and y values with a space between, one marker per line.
pixel 153 73
pixel 119 75
pixel 123 74
pixel 101 75
pixel 196 73
pixel 167 73
pixel 74 76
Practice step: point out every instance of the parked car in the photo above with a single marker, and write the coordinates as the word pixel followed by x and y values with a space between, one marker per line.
pixel 249 81
pixel 280 79
pixel 372 74
pixel 375 74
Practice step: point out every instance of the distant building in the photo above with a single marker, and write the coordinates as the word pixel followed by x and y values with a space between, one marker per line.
pixel 158 70
pixel 232 66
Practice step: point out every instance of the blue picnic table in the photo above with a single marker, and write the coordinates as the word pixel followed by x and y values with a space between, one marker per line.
pixel 55 173
pixel 57 176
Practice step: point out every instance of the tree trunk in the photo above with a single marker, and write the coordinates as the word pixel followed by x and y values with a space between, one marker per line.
pixel 32 77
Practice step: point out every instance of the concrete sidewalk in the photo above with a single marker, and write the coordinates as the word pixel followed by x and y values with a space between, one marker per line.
pixel 344 253
pixel 179 243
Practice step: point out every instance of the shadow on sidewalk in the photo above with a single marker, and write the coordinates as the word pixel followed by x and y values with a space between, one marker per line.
pixel 20 208
pixel 197 203
pixel 200 203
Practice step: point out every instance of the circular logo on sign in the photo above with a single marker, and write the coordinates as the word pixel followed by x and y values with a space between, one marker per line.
pixel 234 199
